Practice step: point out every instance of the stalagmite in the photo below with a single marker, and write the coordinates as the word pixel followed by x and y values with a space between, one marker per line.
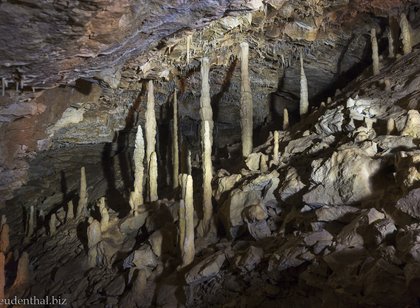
pixel 189 162
pixel 405 34
pixel 83 197
pixel 206 113
pixel 31 222
pixel 104 214
pixel 2 275
pixel 52 224
pixel 375 52
pixel 153 184
pixel 285 119
pixel 391 50
pixel 22 275
pixel 189 248
pixel 181 225
pixel 390 126
pixel 151 138
pixel 276 138
pixel 136 196
pixel 70 211
pixel 304 102
pixel 175 146
pixel 207 178
pixel 4 239
pixel 246 103
pixel 94 236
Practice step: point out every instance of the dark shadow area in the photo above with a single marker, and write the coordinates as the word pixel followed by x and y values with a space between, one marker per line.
pixel 83 86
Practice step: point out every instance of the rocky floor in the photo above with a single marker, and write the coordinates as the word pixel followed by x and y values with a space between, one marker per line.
pixel 334 224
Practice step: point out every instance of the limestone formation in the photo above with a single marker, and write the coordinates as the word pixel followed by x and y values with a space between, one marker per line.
pixel 391 49
pixel 188 250
pixel 22 275
pixel 53 224
pixel 206 113
pixel 189 162
pixel 276 138
pixel 136 197
pixel 375 52
pixel 390 126
pixel 175 146
pixel 150 123
pixel 83 196
pixel 70 211
pixel 189 43
pixel 246 103
pixel 94 236
pixel 412 125
pixel 153 175
pixel 4 239
pixel 181 226
pixel 285 119
pixel 31 222
pixel 304 101
pixel 2 275
pixel 207 178
pixel 104 214
pixel 405 34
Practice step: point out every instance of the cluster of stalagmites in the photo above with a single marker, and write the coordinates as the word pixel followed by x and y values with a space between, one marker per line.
pixel 336 203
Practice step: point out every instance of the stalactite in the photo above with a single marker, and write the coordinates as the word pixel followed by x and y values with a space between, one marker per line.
pixel 151 136
pixel 405 34
pixel 285 119
pixel 189 247
pixel 175 146
pixel 52 224
pixel 94 236
pixel 276 138
pixel 22 274
pixel 390 126
pixel 206 113
pixel 104 214
pixel 391 50
pixel 31 222
pixel 246 103
pixel 153 176
pixel 189 43
pixel 4 239
pixel 83 196
pixel 136 196
pixel 70 211
pixel 375 52
pixel 304 102
pixel 207 178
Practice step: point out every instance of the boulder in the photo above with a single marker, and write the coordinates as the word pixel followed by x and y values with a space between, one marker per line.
pixel 249 259
pixel 412 125
pixel 205 269
pixel 292 185
pixel 330 122
pixel 410 204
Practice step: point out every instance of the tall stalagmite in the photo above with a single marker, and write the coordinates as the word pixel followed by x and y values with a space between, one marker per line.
pixel 181 215
pixel 151 137
pixel 405 34
pixel 375 52
pixel 31 222
pixel 188 251
pixel 285 119
pixel 304 101
pixel 94 236
pixel 246 103
pixel 175 146
pixel 206 113
pixel 207 177
pixel 276 138
pixel 83 196
pixel 136 197
pixel 391 49
pixel 153 184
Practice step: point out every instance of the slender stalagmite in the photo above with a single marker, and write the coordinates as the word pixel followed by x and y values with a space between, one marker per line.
pixel 136 197
pixel 4 239
pixel 206 113
pixel 181 215
pixel 104 214
pixel 153 184
pixel 246 102
pixel 189 248
pixel 304 102
pixel 22 274
pixel 276 138
pixel 189 162
pixel 70 211
pixel 285 119
pixel 391 50
pixel 83 197
pixel 151 139
pixel 207 177
pixel 175 146
pixel 31 222
pixel 390 126
pixel 94 236
pixel 405 34
pixel 189 43
pixel 375 52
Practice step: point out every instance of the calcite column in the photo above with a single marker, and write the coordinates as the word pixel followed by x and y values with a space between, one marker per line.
pixel 375 52
pixel 153 184
pixel 304 101
pixel 276 138
pixel 246 103
pixel 181 215
pixel 391 50
pixel 83 196
pixel 206 113
pixel 175 146
pixel 189 246
pixel 207 177
pixel 151 136
pixel 136 196
pixel 405 34
pixel 285 119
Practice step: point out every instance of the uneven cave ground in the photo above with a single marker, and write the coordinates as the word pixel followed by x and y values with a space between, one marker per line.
pixel 333 221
